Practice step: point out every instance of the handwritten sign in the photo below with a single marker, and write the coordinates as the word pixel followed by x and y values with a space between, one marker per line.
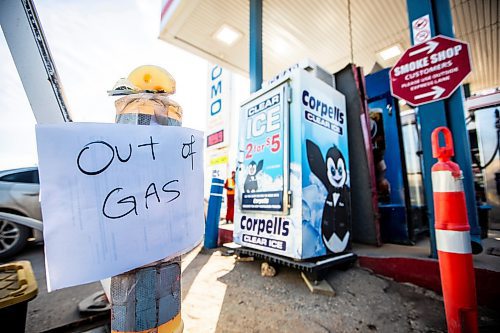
pixel 116 197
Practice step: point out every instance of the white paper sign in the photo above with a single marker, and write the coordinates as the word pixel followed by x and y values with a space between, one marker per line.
pixel 116 197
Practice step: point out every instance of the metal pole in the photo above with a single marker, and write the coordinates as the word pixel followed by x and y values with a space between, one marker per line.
pixel 255 45
pixel 148 299
pixel 213 215
pixel 430 116
pixel 31 54
pixel 455 111
pixel 444 113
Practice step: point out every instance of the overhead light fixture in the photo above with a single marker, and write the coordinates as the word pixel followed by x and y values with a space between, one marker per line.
pixel 280 46
pixel 390 52
pixel 227 35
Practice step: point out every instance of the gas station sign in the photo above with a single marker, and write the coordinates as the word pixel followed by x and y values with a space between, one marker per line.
pixel 215 138
pixel 219 105
pixel 430 71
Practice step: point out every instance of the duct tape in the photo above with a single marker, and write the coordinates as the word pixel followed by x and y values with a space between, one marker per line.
pixel 147 299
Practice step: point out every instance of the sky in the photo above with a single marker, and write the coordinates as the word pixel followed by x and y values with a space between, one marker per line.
pixel 94 43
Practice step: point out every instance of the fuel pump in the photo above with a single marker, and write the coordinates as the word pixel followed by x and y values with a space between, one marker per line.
pixel 398 171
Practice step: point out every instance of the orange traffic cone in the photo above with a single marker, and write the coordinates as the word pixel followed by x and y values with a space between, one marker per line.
pixel 453 238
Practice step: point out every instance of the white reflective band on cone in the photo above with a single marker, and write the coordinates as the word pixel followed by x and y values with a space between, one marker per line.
pixel 216 194
pixel 453 241
pixel 443 181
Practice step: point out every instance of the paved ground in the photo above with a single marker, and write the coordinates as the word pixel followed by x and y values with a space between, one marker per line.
pixel 57 309
pixel 221 295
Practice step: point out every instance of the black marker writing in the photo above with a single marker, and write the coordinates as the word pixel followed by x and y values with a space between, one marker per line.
pixel 109 155
pixel 128 204
pixel 151 143
pixel 190 151
pixel 127 200
pixel 148 194
pixel 86 147
pixel 171 191
pixel 129 153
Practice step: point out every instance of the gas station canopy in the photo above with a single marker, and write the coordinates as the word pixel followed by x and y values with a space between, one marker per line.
pixel 218 30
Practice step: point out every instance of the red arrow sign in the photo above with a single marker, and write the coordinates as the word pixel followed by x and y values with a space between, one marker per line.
pixel 430 71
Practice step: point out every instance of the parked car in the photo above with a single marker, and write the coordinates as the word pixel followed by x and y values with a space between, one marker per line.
pixel 19 194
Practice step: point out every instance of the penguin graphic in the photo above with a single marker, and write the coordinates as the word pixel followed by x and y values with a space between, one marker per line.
pixel 251 184
pixel 335 224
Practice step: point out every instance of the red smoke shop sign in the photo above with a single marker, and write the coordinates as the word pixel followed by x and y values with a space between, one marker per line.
pixel 430 71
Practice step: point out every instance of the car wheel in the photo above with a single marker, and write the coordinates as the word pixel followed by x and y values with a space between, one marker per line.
pixel 13 238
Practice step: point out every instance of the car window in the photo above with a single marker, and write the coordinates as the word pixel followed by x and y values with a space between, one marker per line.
pixel 27 177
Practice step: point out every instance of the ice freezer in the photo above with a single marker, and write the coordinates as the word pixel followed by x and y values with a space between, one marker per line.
pixel 293 184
